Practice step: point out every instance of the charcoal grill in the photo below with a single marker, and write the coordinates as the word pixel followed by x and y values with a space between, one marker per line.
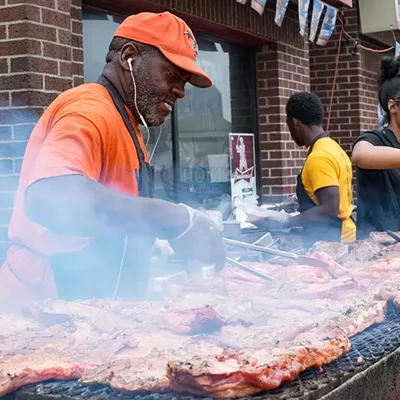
pixel 377 378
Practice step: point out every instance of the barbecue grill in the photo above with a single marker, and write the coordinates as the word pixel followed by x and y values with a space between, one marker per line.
pixel 369 371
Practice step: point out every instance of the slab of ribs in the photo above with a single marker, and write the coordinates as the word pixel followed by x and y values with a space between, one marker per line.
pixel 232 336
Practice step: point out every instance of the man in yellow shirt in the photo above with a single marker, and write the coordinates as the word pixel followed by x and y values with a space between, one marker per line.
pixel 324 184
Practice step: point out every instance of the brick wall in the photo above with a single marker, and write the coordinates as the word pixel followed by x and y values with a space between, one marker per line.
pixel 40 56
pixel 355 98
pixel 282 70
pixel 355 103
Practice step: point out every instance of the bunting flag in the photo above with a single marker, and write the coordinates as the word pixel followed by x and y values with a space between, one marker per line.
pixel 397 49
pixel 258 5
pixel 281 6
pixel 318 8
pixel 304 5
pixel 328 25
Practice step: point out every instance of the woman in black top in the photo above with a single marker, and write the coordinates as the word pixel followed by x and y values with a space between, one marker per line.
pixel 377 158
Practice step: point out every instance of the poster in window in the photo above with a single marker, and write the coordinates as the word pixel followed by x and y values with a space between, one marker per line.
pixel 242 163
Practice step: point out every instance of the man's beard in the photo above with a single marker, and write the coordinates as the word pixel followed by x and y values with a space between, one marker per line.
pixel 147 100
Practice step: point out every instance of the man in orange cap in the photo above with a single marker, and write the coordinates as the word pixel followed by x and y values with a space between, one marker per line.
pixel 85 221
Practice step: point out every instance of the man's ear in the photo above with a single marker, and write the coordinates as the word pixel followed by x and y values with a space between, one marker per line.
pixel 128 51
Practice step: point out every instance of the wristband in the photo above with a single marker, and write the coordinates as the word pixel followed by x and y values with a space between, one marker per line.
pixel 192 217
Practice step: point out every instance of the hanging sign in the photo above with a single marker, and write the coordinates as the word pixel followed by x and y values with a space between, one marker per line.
pixel 318 8
pixel 242 165
pixel 258 5
pixel 328 25
pixel 304 5
pixel 281 6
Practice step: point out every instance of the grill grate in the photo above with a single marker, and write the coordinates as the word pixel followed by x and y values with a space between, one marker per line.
pixel 372 345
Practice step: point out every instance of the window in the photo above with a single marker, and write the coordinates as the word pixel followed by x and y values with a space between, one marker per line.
pixel 192 154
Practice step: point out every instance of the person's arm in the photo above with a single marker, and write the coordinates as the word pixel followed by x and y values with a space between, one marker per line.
pixel 321 174
pixel 368 156
pixel 78 206
pixel 328 199
pixel 64 194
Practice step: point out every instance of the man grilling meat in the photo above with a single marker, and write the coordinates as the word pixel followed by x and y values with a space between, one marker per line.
pixel 323 189
pixel 85 221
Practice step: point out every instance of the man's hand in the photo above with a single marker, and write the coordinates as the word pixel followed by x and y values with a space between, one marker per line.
pixel 269 224
pixel 289 205
pixel 202 240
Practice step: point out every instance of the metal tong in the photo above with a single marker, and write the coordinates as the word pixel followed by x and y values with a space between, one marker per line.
pixel 243 267
pixel 394 236
pixel 299 259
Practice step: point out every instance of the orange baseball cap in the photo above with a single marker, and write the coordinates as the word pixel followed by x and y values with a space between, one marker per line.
pixel 171 36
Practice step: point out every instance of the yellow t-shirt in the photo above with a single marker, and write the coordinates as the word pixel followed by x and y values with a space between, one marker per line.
pixel 329 165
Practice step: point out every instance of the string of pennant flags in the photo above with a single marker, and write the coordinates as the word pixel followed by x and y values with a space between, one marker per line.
pixel 328 23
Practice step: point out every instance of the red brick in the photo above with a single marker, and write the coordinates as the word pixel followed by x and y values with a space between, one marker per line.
pixel 4 101
pixel 77 55
pixel 64 36
pixel 76 13
pixel 3 66
pixel 65 69
pixel 41 3
pixel 77 41
pixel 56 18
pixel 22 64
pixel 3 32
pixel 21 81
pixel 20 12
pixel 64 5
pixel 32 98
pixel 77 27
pixel 23 46
pixel 271 181
pixel 26 29
pixel 57 84
pixel 57 51
pixel 78 80
pixel 77 68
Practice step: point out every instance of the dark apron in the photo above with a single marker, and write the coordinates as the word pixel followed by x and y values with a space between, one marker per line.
pixel 93 272
pixel 327 228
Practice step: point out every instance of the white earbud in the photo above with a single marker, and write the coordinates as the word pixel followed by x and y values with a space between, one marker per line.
pixel 135 94
pixel 140 115
pixel 130 64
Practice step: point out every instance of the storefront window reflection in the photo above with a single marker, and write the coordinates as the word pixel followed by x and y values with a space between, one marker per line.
pixel 192 155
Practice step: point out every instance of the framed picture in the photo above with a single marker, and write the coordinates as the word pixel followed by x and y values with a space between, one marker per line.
pixel 242 165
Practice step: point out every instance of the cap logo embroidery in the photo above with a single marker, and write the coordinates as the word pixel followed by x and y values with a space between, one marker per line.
pixel 192 41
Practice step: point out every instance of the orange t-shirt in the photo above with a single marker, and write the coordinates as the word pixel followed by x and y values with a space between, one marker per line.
pixel 80 133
